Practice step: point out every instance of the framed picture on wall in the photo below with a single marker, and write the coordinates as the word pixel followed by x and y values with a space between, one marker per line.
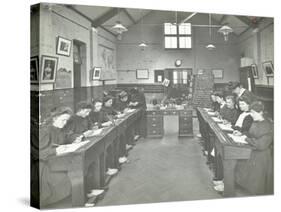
pixel 48 69
pixel 63 46
pixel 158 76
pixel 255 71
pixel 34 69
pixel 96 73
pixel 142 74
pixel 268 68
pixel 218 73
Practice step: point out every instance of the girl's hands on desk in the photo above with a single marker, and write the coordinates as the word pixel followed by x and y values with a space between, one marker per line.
pixel 236 132
pixel 107 124
pixel 78 139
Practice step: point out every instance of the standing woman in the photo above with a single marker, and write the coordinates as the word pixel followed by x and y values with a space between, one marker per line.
pixel 54 186
pixel 256 174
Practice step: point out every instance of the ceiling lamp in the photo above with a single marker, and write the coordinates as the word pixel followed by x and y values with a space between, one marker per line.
pixel 142 45
pixel 210 47
pixel 225 30
pixel 119 28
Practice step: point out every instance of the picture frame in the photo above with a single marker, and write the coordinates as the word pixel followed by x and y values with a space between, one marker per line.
pixel 142 74
pixel 218 73
pixel 255 72
pixel 63 46
pixel 96 73
pixel 268 68
pixel 48 69
pixel 34 70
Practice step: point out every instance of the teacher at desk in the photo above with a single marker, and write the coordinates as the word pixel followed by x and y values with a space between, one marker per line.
pixel 255 175
pixel 54 186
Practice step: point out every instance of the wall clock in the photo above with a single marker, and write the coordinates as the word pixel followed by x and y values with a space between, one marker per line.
pixel 178 63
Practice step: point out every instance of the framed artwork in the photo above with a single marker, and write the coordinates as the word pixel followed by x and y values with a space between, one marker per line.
pixel 48 69
pixel 142 74
pixel 63 46
pixel 255 71
pixel 34 69
pixel 218 73
pixel 96 73
pixel 268 68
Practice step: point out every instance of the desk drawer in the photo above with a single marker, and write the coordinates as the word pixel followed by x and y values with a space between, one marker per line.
pixel 154 119
pixel 185 119
pixel 153 131
pixel 186 113
pixel 155 124
pixel 153 112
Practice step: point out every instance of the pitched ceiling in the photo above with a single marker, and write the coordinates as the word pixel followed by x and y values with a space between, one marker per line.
pixel 106 17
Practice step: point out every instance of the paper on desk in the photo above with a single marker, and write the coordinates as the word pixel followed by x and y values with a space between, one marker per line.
pixel 120 115
pixel 207 109
pixel 67 148
pixel 211 113
pixel 216 119
pixel 91 133
pixel 238 138
pixel 130 110
pixel 226 127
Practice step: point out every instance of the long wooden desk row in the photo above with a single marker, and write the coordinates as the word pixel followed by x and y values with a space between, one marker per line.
pixel 225 149
pixel 155 121
pixel 95 157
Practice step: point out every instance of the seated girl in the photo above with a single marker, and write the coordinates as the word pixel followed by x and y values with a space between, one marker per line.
pixel 215 104
pixel 107 106
pixel 255 175
pixel 229 112
pixel 81 122
pixel 122 102
pixel 245 120
pixel 97 116
pixel 54 186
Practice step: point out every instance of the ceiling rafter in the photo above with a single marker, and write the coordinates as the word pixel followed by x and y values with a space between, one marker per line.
pixel 129 16
pixel 105 17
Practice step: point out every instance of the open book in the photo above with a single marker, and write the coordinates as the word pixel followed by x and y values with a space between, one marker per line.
pixel 217 119
pixel 67 148
pixel 208 109
pixel 226 127
pixel 238 138
pixel 211 113
pixel 91 133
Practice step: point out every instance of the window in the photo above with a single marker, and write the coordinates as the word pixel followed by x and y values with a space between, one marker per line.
pixel 177 36
pixel 180 77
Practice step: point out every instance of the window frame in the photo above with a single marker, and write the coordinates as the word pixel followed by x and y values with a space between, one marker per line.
pixel 177 35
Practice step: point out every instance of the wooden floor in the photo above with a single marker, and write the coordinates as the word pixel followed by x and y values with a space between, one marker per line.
pixel 161 170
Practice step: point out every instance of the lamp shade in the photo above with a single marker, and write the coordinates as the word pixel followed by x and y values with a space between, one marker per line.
pixel 225 30
pixel 119 28
pixel 210 47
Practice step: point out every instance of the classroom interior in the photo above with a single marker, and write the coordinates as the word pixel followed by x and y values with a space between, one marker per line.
pixel 173 57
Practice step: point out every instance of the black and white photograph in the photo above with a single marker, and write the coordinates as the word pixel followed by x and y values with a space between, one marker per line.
pixel 63 46
pixel 96 73
pixel 268 68
pixel 34 67
pixel 49 69
pixel 153 106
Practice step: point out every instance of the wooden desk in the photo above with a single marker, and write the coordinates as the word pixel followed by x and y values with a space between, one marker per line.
pixel 225 148
pixel 155 121
pixel 96 156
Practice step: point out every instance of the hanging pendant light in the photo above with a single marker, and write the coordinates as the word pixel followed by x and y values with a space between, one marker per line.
pixel 210 46
pixel 118 27
pixel 225 30
pixel 142 45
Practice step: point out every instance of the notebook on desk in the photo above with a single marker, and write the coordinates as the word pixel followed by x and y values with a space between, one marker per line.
pixel 241 139
pixel 217 120
pixel 67 148
pixel 226 127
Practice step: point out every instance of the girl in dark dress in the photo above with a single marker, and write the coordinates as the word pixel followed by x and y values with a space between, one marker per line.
pixel 122 102
pixel 107 107
pixel 229 112
pixel 81 122
pixel 54 186
pixel 244 120
pixel 255 175
pixel 98 116
pixel 215 104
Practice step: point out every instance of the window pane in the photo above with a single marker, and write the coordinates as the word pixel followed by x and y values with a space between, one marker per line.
pixel 171 42
pixel 184 75
pixel 170 29
pixel 185 29
pixel 175 75
pixel 175 81
pixel 185 42
pixel 184 81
